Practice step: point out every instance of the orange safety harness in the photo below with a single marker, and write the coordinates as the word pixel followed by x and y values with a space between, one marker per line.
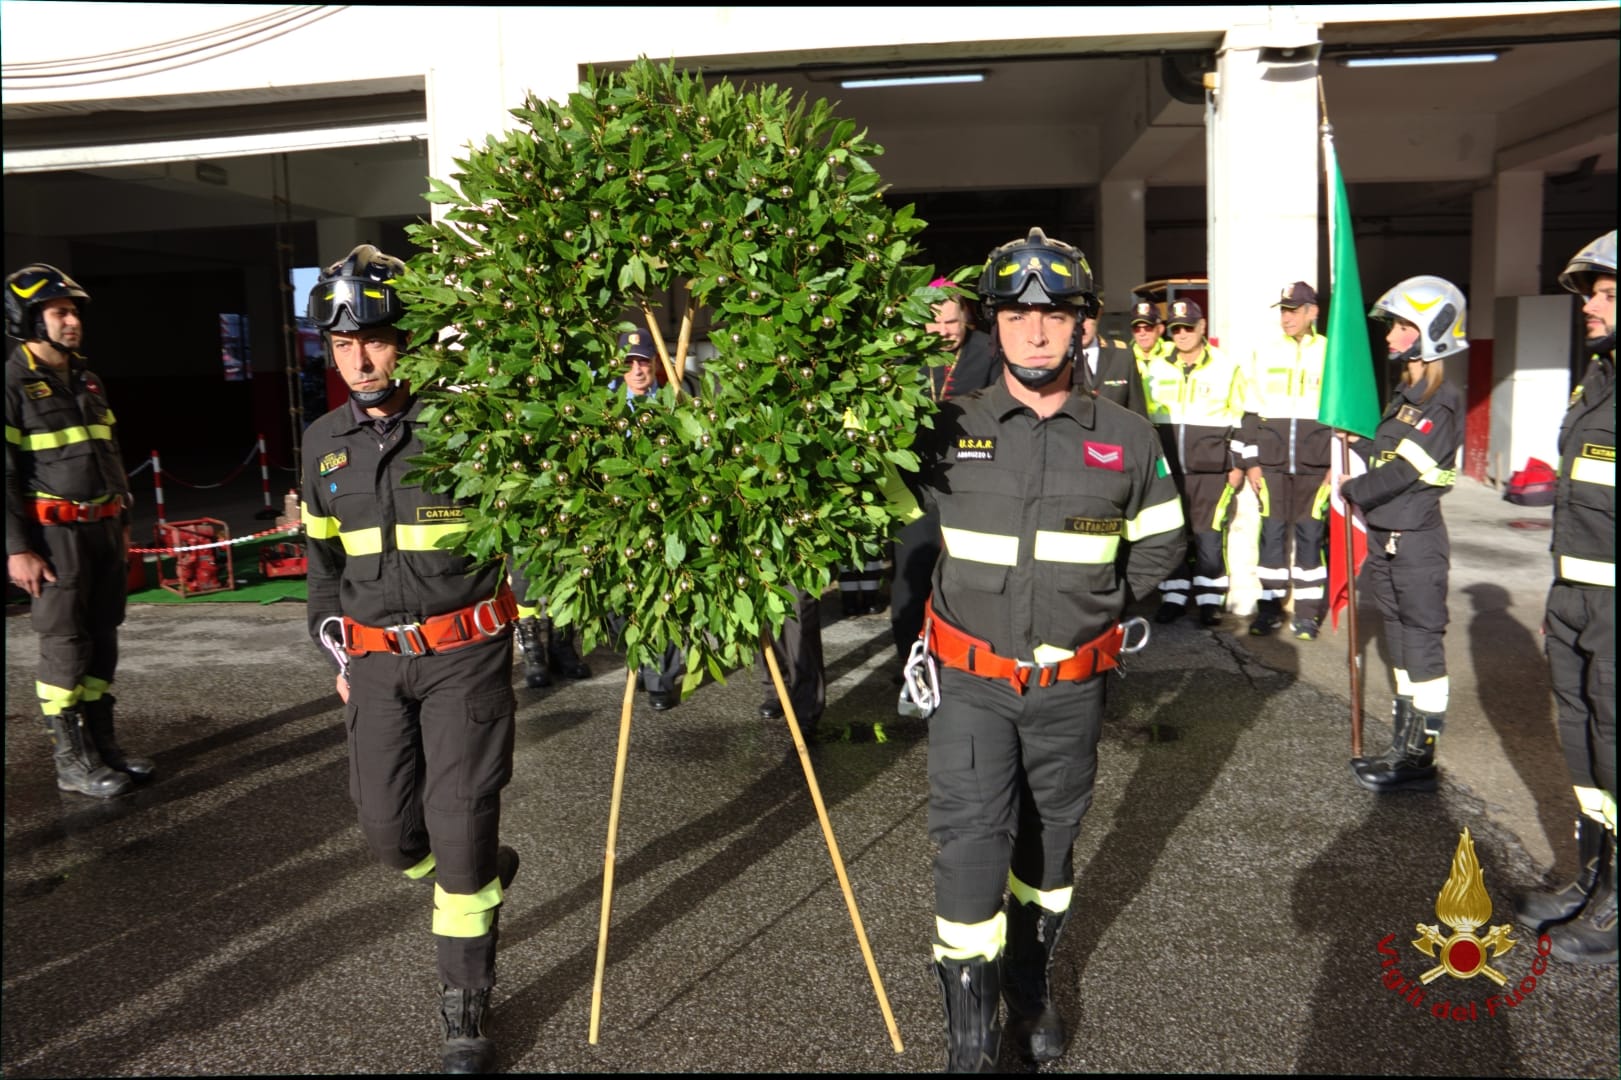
pixel 63 512
pixel 441 633
pixel 957 649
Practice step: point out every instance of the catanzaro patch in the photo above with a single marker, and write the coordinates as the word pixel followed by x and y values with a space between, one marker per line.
pixel 428 515
pixel 969 449
pixel 1598 452
pixel 1094 526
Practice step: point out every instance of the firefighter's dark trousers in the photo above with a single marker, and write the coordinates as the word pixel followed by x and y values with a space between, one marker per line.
pixel 799 657
pixel 1010 778
pixel 1289 504
pixel 77 616
pixel 1202 579
pixel 1581 661
pixel 430 748
pixel 1410 588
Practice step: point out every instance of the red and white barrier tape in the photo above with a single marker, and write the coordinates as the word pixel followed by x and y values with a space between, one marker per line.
pixel 293 528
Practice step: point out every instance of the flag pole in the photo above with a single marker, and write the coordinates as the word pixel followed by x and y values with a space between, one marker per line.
pixel 1353 658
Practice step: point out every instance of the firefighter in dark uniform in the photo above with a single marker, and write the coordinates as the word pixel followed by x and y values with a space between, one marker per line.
pixel 1195 399
pixel 67 527
pixel 1055 509
pixel 1580 919
pixel 1108 368
pixel 1285 457
pixel 426 650
pixel 1411 464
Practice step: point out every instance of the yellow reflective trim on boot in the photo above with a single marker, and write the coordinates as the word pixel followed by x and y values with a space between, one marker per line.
pixel 1054 900
pixel 528 611
pixel 420 870
pixel 53 699
pixel 92 688
pixel 965 941
pixel 1430 696
pixel 465 914
pixel 1598 804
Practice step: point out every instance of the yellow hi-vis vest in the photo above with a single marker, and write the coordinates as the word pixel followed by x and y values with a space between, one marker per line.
pixel 1285 378
pixel 1211 395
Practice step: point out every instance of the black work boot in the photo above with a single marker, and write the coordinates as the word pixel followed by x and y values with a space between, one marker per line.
pixel 98 720
pixel 1401 718
pixel 533 650
pixel 1590 938
pixel 972 994
pixel 561 654
pixel 1032 940
pixel 78 767
pixel 1414 770
pixel 1268 617
pixel 461 1015
pixel 1538 909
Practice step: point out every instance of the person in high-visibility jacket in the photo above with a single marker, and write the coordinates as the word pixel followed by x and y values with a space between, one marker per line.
pixel 423 641
pixel 1195 399
pixel 1147 337
pixel 1411 466
pixel 1580 918
pixel 1285 459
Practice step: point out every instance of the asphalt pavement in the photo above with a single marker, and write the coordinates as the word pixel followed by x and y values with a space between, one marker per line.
pixel 1242 906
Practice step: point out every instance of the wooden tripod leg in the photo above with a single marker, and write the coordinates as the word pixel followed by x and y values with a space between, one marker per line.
pixel 832 845
pixel 608 858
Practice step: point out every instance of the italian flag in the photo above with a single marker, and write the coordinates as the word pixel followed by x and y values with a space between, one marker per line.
pixel 1350 398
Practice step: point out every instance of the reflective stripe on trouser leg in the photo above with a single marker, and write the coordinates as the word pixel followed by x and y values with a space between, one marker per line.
pixel 968 941
pixel 77 616
pixel 1580 643
pixel 1010 779
pixel 1056 901
pixel 53 699
pixel 1598 805
pixel 1205 492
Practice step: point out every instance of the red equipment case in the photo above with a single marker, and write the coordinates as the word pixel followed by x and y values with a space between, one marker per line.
pixel 195 572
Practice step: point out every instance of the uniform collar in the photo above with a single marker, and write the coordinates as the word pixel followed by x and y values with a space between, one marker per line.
pixel 357 415
pixel 1078 407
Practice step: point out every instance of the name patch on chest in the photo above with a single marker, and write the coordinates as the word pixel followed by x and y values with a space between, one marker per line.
pixel 333 462
pixel 1094 526
pixel 432 515
pixel 1598 452
pixel 976 449
pixel 37 390
pixel 1104 456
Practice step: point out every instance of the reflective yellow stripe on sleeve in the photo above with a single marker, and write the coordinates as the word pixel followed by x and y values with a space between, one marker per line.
pixel 1154 520
pixel 13 436
pixel 317 527
pixel 994 548
pixel 1429 470
pixel 1585 470
pixel 1075 548
pixel 424 537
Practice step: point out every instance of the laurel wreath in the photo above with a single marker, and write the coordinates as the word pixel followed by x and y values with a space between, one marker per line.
pixel 692 519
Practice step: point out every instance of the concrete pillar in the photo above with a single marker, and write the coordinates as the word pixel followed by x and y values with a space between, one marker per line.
pixel 1516 372
pixel 1121 258
pixel 1263 177
pixel 1265 174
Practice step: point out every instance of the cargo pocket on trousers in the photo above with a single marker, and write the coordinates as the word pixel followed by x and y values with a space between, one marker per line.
pixel 487 750
pixel 351 713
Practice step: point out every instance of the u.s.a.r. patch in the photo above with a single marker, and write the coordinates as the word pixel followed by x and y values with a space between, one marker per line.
pixel 332 462
pixel 980 449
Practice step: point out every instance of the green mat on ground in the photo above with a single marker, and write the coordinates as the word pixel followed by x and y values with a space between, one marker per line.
pixel 253 587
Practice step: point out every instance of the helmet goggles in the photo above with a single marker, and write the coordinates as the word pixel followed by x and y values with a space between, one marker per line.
pixel 1052 275
pixel 365 301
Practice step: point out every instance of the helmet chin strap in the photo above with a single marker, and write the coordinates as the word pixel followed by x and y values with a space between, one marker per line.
pixel 1605 344
pixel 1035 378
pixel 42 334
pixel 370 399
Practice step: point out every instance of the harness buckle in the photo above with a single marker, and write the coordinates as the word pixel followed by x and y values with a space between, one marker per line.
pixel 408 639
pixel 1046 674
pixel 479 611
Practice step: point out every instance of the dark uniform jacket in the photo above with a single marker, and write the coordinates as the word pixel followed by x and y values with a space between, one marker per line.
pixel 1411 459
pixel 1045 522
pixel 1584 501
pixel 373 541
pixel 1117 377
pixel 972 370
pixel 61 442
